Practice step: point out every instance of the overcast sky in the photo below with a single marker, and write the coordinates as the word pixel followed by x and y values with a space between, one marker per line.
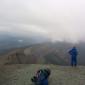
pixel 55 19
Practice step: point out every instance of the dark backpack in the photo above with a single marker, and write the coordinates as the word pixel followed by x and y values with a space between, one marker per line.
pixel 41 75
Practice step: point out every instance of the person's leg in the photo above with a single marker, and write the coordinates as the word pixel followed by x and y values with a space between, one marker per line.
pixel 71 61
pixel 75 61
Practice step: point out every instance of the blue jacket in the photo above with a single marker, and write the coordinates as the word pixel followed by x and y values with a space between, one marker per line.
pixel 42 80
pixel 45 82
pixel 73 52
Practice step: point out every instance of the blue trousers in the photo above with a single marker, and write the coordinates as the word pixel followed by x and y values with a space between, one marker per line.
pixel 44 82
pixel 73 60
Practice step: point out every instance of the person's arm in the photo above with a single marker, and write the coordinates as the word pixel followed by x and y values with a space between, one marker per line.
pixel 70 51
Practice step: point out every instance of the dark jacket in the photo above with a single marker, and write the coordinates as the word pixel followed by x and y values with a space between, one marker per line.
pixel 73 52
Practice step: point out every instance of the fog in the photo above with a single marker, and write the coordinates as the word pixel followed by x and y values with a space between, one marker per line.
pixel 61 20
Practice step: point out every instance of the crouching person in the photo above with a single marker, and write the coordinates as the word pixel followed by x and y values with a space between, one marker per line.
pixel 41 77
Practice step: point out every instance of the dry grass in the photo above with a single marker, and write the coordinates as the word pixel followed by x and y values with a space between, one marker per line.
pixel 61 75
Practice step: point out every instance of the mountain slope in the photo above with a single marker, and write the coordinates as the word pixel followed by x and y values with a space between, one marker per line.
pixel 36 54
pixel 44 53
pixel 61 75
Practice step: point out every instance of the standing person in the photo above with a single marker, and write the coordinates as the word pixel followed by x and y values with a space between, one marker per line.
pixel 73 52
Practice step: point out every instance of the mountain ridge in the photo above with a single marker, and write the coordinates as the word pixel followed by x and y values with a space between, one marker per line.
pixel 44 53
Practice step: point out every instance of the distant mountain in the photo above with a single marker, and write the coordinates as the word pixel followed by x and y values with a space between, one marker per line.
pixel 10 42
pixel 45 53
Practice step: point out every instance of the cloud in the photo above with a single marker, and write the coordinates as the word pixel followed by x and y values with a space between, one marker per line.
pixel 61 20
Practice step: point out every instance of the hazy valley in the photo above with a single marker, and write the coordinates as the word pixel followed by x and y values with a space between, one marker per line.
pixel 44 53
